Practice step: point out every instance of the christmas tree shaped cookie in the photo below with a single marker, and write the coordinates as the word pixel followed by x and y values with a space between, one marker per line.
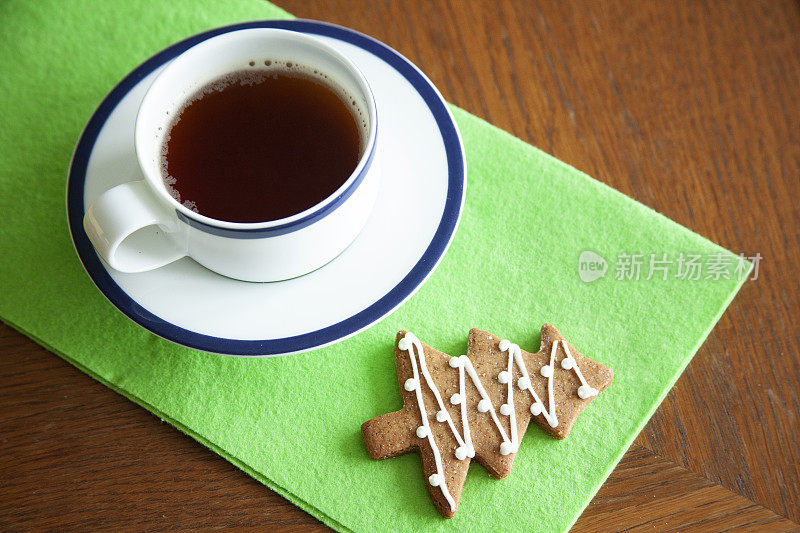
pixel 479 405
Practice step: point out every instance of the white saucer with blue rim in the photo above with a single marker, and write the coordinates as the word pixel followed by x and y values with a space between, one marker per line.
pixel 411 226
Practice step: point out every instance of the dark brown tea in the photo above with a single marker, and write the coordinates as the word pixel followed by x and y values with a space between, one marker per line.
pixel 260 145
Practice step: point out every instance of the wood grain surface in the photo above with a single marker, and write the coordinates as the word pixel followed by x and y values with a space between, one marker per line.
pixel 692 108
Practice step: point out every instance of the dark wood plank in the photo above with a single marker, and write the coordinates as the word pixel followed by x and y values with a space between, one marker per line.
pixel 75 454
pixel 663 496
pixel 692 108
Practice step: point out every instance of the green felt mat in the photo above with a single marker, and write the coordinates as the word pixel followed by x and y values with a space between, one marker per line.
pixel 294 422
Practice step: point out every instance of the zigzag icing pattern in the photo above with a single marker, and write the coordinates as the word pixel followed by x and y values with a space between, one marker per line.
pixel 466 448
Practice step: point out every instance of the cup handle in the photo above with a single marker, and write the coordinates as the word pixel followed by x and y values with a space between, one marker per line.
pixel 132 231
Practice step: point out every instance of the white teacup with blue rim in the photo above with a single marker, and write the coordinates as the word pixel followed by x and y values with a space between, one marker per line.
pixel 139 226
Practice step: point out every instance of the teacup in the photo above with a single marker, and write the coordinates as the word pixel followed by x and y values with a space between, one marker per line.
pixel 139 226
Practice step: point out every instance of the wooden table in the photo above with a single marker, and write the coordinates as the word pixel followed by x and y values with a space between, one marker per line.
pixel 691 108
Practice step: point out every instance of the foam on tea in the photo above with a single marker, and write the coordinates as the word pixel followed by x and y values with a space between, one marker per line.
pixel 262 144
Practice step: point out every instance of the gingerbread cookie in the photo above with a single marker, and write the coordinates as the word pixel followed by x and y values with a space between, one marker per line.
pixel 479 405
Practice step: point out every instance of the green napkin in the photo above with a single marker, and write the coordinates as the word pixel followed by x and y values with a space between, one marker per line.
pixel 294 422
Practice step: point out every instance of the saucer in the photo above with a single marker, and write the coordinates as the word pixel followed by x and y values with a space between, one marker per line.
pixel 411 226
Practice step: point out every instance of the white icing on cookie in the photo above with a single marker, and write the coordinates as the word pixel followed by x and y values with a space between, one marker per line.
pixel 461 453
pixel 584 391
pixel 537 407
pixel 508 408
pixel 412 344
pixel 469 448
pixel 506 448
pixel 568 363
pixel 465 447
pixel 485 404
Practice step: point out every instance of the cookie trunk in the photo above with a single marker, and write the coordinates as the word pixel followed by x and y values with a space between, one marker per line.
pixel 390 435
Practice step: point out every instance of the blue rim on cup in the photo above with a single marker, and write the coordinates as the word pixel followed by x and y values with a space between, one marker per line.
pixel 382 306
